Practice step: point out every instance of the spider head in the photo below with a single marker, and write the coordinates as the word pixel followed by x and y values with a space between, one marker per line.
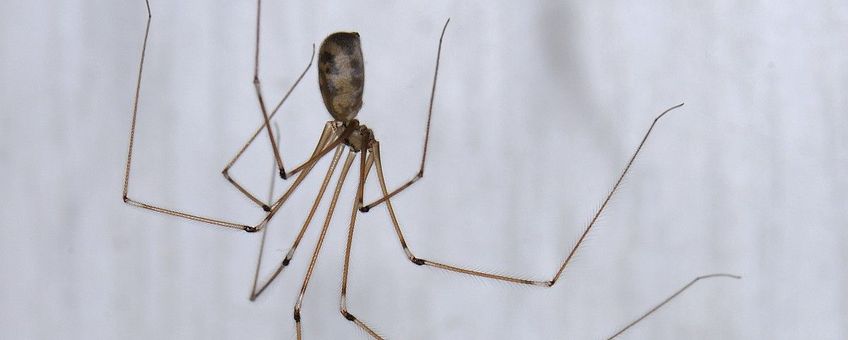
pixel 341 75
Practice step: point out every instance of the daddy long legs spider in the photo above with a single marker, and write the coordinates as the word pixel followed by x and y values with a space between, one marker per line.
pixel 341 82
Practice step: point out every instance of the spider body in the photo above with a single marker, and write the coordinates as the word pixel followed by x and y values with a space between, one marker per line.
pixel 341 75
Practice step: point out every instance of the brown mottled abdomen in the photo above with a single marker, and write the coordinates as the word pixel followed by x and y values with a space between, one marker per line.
pixel 341 75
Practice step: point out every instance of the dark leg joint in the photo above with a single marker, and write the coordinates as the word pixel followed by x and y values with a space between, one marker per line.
pixel 250 229
pixel 417 261
pixel 286 261
pixel 125 199
pixel 283 174
pixel 364 209
pixel 348 316
pixel 266 208
pixel 296 316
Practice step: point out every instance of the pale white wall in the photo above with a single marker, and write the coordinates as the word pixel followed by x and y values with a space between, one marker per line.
pixel 539 105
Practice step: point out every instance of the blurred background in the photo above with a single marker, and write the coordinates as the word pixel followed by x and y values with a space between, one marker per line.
pixel 539 104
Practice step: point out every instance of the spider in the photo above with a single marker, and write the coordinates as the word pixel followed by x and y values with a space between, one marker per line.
pixel 341 78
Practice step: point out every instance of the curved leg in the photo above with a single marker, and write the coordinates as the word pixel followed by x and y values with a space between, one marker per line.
pixel 364 168
pixel 376 150
pixel 311 268
pixel 548 283
pixel 420 173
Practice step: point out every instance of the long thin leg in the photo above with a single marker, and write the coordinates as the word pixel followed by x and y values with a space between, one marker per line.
pixel 125 196
pixel 552 281
pixel 329 130
pixel 244 147
pixel 342 176
pixel 307 167
pixel 135 102
pixel 678 292
pixel 257 85
pixel 364 168
pixel 420 173
pixel 258 227
pixel 253 293
pixel 256 292
pixel 418 261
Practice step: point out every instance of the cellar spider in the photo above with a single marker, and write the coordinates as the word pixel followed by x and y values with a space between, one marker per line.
pixel 341 81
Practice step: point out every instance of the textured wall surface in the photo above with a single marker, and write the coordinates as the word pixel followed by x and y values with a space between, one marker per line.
pixel 538 106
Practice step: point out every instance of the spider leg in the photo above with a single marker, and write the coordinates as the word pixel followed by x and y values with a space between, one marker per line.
pixel 329 130
pixel 375 149
pixel 125 196
pixel 671 297
pixel 257 86
pixel 420 173
pixel 306 167
pixel 320 242
pixel 419 261
pixel 226 170
pixel 254 293
pixel 364 168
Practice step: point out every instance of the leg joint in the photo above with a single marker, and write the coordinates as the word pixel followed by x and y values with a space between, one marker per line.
pixel 347 315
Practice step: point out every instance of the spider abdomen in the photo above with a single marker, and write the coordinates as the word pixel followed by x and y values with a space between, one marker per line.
pixel 341 75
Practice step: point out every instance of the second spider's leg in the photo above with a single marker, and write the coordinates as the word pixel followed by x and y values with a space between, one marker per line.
pixel 364 168
pixel 420 173
pixel 311 268
pixel 255 292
